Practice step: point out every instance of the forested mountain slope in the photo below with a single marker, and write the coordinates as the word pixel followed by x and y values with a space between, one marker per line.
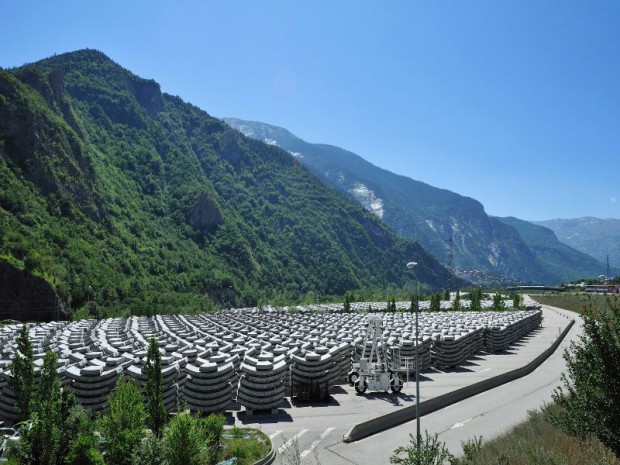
pixel 449 225
pixel 117 193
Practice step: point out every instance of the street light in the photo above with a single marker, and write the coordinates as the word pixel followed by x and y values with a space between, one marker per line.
pixel 411 266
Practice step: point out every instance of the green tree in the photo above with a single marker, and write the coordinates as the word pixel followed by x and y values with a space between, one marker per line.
pixel 475 300
pixel 590 397
pixel 156 410
pixel 435 303
pixel 84 451
pixel 183 437
pixel 446 294
pixel 456 305
pixel 40 440
pixel 150 452
pixel 22 369
pixel 73 422
pixel 346 308
pixel 516 300
pixel 498 303
pixel 214 427
pixel 123 425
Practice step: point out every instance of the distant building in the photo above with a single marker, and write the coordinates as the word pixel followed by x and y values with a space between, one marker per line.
pixel 601 288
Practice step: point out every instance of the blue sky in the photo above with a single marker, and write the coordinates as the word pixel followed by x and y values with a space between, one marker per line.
pixel 516 104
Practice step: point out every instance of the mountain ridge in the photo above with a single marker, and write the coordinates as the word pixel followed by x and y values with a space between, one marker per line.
pixel 454 228
pixel 598 237
pixel 119 194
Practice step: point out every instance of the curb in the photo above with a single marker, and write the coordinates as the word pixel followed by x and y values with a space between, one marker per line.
pixel 404 415
pixel 269 458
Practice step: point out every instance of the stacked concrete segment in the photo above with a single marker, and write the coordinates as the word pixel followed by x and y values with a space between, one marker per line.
pixel 209 387
pixel 93 354
pixel 314 367
pixel 93 383
pixel 453 348
pixel 408 348
pixel 510 328
pixel 261 385
pixel 172 376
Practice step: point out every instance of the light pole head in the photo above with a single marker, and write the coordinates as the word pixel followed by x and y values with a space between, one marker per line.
pixel 412 265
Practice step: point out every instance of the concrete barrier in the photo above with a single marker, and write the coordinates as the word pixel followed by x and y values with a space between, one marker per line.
pixel 404 415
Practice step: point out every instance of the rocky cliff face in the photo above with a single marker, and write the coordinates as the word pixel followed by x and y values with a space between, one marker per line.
pixel 28 130
pixel 121 195
pixel 454 228
pixel 25 297
pixel 205 216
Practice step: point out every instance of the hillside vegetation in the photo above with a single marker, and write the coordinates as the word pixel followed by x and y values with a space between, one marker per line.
pixel 116 193
pixel 442 221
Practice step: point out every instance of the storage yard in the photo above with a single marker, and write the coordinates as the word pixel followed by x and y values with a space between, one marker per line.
pixel 252 359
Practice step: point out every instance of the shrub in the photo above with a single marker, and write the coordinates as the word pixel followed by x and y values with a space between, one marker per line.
pixel 590 396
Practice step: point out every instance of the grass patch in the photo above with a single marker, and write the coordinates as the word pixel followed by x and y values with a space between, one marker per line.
pixel 577 302
pixel 537 441
pixel 248 445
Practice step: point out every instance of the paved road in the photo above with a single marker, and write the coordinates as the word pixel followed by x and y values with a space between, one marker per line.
pixel 314 433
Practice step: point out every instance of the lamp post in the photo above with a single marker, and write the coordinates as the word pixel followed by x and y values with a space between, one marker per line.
pixel 411 266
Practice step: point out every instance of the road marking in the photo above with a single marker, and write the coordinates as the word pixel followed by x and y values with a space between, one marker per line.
pixel 482 371
pixel 316 443
pixel 274 434
pixel 288 443
pixel 458 425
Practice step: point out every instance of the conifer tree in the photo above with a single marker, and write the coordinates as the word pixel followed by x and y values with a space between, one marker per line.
pixel 475 300
pixel 456 305
pixel 40 441
pixel 22 369
pixel 347 303
pixel 498 302
pixel 156 409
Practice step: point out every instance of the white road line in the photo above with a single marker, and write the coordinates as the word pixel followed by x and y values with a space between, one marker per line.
pixel 482 371
pixel 316 443
pixel 288 443
pixel 458 425
pixel 274 434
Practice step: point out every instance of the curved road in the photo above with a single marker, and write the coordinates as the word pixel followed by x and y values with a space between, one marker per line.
pixel 314 433
pixel 486 414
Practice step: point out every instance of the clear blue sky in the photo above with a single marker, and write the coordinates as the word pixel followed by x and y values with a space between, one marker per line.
pixel 516 104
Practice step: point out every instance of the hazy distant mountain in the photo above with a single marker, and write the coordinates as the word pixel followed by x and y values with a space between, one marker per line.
pixel 594 236
pixel 558 257
pixel 444 222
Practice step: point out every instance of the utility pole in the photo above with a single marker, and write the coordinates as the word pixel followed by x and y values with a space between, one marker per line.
pixel 608 272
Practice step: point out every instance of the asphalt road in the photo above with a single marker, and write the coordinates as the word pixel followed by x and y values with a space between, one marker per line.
pixel 313 434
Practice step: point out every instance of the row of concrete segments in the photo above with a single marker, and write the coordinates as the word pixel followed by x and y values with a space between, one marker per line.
pixel 245 357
